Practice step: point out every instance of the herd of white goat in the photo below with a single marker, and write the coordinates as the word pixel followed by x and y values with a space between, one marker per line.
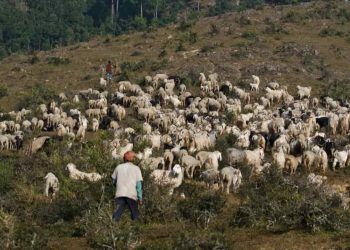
pixel 293 132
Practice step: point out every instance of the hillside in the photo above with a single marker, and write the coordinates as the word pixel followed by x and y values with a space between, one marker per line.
pixel 306 45
pixel 295 45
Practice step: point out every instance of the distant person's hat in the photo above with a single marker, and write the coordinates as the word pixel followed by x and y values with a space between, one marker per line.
pixel 129 156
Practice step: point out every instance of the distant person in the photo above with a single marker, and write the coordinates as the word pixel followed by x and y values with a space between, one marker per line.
pixel 128 180
pixel 109 71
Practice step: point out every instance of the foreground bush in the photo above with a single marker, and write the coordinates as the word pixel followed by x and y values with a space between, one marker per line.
pixel 158 205
pixel 201 205
pixel 103 232
pixel 280 204
pixel 7 228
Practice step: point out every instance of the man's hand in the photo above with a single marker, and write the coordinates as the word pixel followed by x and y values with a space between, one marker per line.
pixel 140 202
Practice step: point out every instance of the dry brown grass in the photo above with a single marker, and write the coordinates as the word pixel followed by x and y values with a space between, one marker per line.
pixel 19 75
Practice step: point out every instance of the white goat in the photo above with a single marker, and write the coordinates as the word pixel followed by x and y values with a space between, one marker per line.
pixel 75 174
pixel 230 176
pixel 51 184
pixel 172 178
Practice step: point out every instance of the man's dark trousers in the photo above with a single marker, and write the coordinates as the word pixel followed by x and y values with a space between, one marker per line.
pixel 123 202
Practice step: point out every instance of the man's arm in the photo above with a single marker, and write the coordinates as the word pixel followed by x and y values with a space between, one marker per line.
pixel 114 176
pixel 139 190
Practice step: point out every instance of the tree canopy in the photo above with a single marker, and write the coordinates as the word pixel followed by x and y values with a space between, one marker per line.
pixel 29 25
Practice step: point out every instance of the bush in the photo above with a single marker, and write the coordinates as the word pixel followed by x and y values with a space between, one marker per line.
pixel 7 230
pixel 214 29
pixel 210 47
pixel 136 53
pixel 330 32
pixel 185 24
pixel 247 4
pixel 38 94
pixel 6 177
pixel 57 60
pixel 3 52
pixel 192 37
pixel 294 17
pixel 202 205
pixel 3 91
pixel 275 29
pixel 128 68
pixel 250 35
pixel 163 53
pixel 140 146
pixel 103 232
pixel 180 47
pixel 34 59
pixel 280 204
pixel 139 23
pixel 339 89
pixel 107 40
pixel 221 7
pixel 158 205
pixel 159 65
pixel 243 20
pixel 240 54
pixel 343 15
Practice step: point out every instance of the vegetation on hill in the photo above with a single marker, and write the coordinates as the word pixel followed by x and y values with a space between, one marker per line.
pixel 283 43
pixel 31 25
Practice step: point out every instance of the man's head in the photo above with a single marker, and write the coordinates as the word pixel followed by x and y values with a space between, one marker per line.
pixel 129 156
pixel 109 62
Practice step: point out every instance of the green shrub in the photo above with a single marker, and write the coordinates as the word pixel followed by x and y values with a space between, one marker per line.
pixel 202 205
pixel 62 209
pixel 250 35
pixel 140 146
pixel 103 232
pixel 139 23
pixel 128 68
pixel 275 29
pixel 192 37
pixel 347 38
pixel 29 235
pixel 243 20
pixel 247 4
pixel 107 40
pixel 6 177
pixel 34 59
pixel 280 204
pixel 3 91
pixel 159 64
pixel 38 94
pixel 180 47
pixel 3 52
pixel 136 53
pixel 186 24
pixel 330 32
pixel 163 53
pixel 221 7
pixel 57 60
pixel 214 29
pixel 158 205
pixel 240 54
pixel 294 17
pixel 343 15
pixel 339 89
pixel 7 230
pixel 210 47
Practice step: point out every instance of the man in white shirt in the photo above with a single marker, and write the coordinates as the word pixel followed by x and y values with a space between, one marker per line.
pixel 128 180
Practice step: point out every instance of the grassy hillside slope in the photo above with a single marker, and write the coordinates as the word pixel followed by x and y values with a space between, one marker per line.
pixel 305 45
